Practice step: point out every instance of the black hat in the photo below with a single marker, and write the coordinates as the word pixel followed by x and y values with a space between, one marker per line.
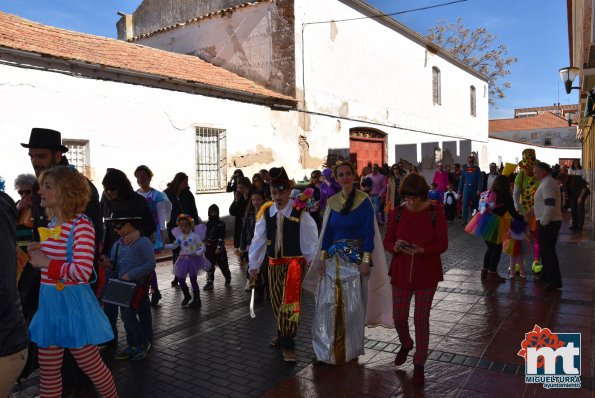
pixel 45 138
pixel 122 216
pixel 279 178
pixel 214 207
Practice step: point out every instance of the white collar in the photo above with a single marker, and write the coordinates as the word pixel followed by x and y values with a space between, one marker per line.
pixel 286 210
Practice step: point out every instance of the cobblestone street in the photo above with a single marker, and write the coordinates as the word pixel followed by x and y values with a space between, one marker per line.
pixel 476 331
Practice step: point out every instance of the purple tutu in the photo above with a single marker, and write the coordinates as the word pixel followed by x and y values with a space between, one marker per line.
pixel 190 264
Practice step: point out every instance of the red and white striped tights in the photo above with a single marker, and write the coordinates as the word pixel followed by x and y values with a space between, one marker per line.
pixel 87 358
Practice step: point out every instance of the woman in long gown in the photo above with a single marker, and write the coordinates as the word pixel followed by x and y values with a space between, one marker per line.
pixel 348 275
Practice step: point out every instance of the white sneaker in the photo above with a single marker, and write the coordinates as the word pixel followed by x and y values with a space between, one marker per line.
pixel 247 288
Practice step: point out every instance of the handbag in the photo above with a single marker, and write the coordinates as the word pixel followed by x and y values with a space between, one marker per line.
pixel 119 292
pixel 116 291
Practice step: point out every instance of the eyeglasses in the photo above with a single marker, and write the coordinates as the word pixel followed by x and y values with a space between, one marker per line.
pixel 22 192
pixel 314 177
pixel 111 189
pixel 118 225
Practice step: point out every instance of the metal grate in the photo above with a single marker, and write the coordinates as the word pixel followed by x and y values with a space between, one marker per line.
pixel 78 154
pixel 211 157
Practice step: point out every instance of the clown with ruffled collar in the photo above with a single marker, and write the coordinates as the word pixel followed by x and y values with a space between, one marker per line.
pixel 525 186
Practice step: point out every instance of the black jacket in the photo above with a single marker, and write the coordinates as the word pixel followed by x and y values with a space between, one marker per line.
pixel 215 235
pixel 183 204
pixel 13 331
pixel 248 229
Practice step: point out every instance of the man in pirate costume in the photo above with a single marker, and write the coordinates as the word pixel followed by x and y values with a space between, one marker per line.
pixel 288 235
pixel 525 186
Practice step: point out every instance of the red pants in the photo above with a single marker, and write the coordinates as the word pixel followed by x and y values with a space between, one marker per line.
pixel 421 319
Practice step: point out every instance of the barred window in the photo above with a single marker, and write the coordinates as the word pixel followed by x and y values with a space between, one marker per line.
pixel 436 95
pixel 211 157
pixel 472 98
pixel 78 155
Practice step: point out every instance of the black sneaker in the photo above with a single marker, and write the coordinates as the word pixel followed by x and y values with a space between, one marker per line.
pixel 196 303
pixel 208 286
pixel 108 345
pixel 155 297
pixel 125 354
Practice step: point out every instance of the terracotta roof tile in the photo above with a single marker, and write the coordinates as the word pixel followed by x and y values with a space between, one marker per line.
pixel 20 34
pixel 542 121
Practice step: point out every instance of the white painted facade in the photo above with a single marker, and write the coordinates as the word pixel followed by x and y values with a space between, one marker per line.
pixel 363 73
pixel 511 152
pixel 129 125
pixel 356 74
pixel 374 75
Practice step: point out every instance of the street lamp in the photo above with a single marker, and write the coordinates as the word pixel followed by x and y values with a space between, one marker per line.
pixel 568 74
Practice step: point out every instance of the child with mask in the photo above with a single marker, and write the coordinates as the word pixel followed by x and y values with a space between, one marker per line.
pixel 216 253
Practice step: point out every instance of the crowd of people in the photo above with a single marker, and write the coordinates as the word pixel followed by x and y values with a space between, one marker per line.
pixel 81 260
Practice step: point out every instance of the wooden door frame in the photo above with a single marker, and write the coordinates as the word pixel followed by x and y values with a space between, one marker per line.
pixel 370 135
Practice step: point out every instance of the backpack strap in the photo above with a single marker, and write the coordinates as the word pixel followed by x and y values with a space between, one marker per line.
pixel 433 214
pixel 69 242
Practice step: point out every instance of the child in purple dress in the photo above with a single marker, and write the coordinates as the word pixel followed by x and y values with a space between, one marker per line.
pixel 191 261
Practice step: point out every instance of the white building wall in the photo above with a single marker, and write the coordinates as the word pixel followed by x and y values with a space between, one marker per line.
pixel 511 152
pixel 128 125
pixel 365 70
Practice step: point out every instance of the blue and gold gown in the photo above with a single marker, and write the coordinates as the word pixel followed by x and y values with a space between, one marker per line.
pixel 345 302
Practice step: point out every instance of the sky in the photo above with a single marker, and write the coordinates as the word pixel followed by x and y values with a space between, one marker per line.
pixel 535 31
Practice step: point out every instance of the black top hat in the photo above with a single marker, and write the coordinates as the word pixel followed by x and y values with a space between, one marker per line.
pixel 279 178
pixel 45 138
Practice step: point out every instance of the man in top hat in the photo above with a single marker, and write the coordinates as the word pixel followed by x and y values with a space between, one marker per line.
pixel 289 236
pixel 46 151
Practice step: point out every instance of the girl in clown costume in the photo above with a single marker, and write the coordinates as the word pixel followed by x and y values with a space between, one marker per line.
pixel 492 222
pixel 191 261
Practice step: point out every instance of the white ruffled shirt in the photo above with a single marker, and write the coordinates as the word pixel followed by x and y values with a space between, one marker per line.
pixel 308 236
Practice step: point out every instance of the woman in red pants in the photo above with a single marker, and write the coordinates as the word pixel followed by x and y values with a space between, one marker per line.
pixel 417 235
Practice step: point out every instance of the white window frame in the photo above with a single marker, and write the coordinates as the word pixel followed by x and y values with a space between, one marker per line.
pixel 211 159
pixel 78 155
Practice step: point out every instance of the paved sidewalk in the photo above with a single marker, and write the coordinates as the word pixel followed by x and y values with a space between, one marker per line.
pixel 476 332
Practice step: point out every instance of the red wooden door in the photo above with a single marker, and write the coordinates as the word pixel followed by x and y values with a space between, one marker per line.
pixel 366 151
